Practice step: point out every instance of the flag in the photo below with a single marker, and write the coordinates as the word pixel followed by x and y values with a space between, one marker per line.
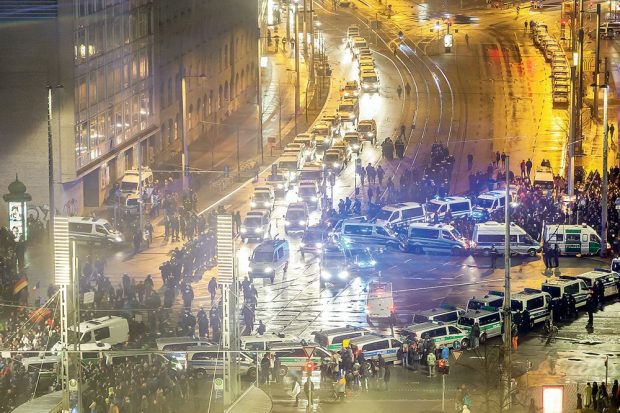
pixel 20 285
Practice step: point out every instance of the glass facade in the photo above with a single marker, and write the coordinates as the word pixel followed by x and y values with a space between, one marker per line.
pixel 113 55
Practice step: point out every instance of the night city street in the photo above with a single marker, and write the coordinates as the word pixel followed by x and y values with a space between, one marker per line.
pixel 310 206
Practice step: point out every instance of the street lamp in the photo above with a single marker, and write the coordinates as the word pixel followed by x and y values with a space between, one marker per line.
pixel 184 138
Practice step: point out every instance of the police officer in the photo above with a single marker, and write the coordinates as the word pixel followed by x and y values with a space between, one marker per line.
pixel 493 254
pixel 203 323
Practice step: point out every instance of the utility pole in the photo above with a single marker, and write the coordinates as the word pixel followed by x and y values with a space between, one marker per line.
pixel 596 61
pixel 579 127
pixel 259 94
pixel 304 29
pixel 50 159
pixel 238 156
pixel 604 189
pixel 506 362
pixel 297 46
pixel 311 42
pixel 140 190
pixel 571 132
pixel 184 141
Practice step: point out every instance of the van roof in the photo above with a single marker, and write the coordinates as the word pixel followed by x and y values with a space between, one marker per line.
pixel 269 245
pixel 447 227
pixel 88 220
pixel 561 281
pixel 291 344
pixel 527 293
pixel 42 359
pixel 178 340
pixel 478 313
pixel 280 337
pixel 422 326
pixel 448 199
pixel 438 310
pixel 99 322
pixel 494 225
pixel 369 338
pixel 341 330
pixel 401 205
pixel 595 273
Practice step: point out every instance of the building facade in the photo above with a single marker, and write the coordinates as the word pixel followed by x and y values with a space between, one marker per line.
pixel 115 68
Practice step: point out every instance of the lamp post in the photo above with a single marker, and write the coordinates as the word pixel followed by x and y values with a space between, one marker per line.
pixel 50 155
pixel 184 138
pixel 238 141
pixel 506 362
pixel 297 80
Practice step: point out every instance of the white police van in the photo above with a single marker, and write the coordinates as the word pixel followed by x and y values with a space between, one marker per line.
pixel 575 287
pixel 366 233
pixel 492 233
pixel 610 280
pixel 459 206
pixel 262 343
pixel 421 237
pixel 373 345
pixel 536 302
pixel 446 335
pixel 334 339
pixel 573 239
pixel 486 203
pixel 401 214
pixel 209 360
pixel 293 356
pixel 445 314
pixel 489 320
pixel 493 299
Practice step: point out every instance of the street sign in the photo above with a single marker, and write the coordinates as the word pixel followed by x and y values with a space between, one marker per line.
pixel 73 385
pixel 89 297
pixel 456 355
pixel 218 383
pixel 309 350
pixel 456 345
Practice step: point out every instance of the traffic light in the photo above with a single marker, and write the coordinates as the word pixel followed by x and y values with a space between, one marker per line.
pixel 309 366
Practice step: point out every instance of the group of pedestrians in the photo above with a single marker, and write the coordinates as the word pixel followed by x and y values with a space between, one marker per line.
pixel 599 397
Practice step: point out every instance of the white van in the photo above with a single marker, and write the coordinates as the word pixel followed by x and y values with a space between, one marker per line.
pixel 93 230
pixel 573 239
pixel 493 233
pixel 401 214
pixel 490 323
pixel 269 258
pixel 380 301
pixel 445 335
pixel 493 299
pixel 459 206
pixel 557 288
pixel 610 280
pixel 130 183
pixel 421 237
pixel 293 356
pixel 209 360
pixel 289 165
pixel 488 202
pixel 366 233
pixel 536 302
pixel 262 343
pixel 543 178
pixel 110 329
pixel 334 339
pixel 445 314
pixel 373 345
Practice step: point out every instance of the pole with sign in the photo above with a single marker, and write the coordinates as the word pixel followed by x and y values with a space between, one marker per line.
pixel 309 350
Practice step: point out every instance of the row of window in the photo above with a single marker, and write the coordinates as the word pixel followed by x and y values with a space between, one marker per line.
pixel 100 133
pixel 102 84
pixel 112 32
pixel 87 7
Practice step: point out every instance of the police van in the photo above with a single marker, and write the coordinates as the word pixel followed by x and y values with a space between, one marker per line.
pixel 210 360
pixel 112 330
pixel 379 302
pixel 445 335
pixel 373 345
pixel 573 239
pixel 261 343
pixel 177 348
pixel 366 233
pixel 558 287
pixel 536 302
pixel 610 280
pixel 93 230
pixel 493 234
pixel 293 356
pixel 421 237
pixel 486 203
pixel 446 314
pixel 334 339
pixel 489 320
pixel 459 206
pixel 493 299
pixel 269 258
pixel 401 214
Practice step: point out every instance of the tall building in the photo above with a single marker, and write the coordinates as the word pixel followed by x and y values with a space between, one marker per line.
pixel 118 65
